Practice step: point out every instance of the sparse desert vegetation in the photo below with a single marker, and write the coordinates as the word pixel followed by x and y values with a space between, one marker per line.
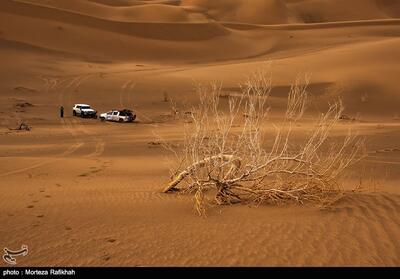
pixel 224 152
pixel 269 160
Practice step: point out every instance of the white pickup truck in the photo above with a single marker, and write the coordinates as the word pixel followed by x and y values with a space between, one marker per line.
pixel 118 116
pixel 84 110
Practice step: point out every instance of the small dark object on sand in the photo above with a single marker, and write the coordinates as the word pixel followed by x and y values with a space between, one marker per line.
pixel 23 126
pixel 345 117
pixel 24 105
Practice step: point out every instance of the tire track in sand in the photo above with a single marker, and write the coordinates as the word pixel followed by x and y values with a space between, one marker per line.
pixel 126 90
pixel 71 149
pixel 52 84
pixel 77 125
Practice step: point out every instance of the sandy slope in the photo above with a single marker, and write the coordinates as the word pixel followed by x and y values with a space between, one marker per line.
pixel 138 11
pixel 284 11
pixel 81 192
pixel 96 202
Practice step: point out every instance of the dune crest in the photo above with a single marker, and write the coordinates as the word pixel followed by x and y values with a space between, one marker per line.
pixel 137 12
pixel 85 192
pixel 258 11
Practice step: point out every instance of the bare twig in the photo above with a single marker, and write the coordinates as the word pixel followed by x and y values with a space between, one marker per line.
pixel 235 163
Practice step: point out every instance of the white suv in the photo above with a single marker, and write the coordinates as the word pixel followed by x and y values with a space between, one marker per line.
pixel 118 116
pixel 84 110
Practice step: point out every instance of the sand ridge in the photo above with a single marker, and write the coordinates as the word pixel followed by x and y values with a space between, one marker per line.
pixel 92 189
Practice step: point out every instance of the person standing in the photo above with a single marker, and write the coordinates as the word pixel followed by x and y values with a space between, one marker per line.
pixel 61 111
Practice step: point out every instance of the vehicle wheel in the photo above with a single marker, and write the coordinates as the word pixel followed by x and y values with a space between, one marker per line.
pixel 133 118
pixel 74 113
pixel 120 120
pixel 102 119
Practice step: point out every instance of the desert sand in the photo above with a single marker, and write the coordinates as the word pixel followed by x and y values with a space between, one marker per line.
pixel 80 192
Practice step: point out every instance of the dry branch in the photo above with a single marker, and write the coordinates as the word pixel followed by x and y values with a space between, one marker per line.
pixel 235 162
pixel 200 164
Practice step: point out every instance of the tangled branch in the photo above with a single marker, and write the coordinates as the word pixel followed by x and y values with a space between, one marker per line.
pixel 225 155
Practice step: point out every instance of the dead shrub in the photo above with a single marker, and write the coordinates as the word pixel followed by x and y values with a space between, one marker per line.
pixel 222 162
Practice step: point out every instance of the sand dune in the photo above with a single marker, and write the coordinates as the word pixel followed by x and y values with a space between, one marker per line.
pixel 106 39
pixel 107 24
pixel 92 189
pixel 324 11
pixel 285 11
pixel 94 206
pixel 141 12
pixel 120 3
pixel 260 11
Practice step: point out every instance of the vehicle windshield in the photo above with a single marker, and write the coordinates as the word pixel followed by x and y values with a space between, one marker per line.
pixel 85 107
